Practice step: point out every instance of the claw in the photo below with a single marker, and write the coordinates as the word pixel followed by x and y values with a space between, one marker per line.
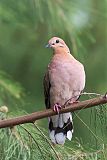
pixel 69 102
pixel 75 102
pixel 57 107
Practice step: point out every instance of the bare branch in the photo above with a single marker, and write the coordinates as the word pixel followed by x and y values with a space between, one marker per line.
pixel 30 118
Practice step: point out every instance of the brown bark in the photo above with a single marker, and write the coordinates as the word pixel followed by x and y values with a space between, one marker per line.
pixel 30 118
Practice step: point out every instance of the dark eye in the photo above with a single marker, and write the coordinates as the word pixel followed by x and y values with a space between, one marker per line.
pixel 57 41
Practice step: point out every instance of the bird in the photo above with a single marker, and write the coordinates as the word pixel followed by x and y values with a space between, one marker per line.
pixel 64 80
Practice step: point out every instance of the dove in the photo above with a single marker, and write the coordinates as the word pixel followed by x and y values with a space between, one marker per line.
pixel 64 81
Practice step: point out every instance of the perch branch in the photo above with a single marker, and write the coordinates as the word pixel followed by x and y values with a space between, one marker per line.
pixel 30 118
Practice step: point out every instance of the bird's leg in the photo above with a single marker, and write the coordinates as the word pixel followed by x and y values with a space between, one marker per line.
pixel 74 102
pixel 57 107
pixel 71 101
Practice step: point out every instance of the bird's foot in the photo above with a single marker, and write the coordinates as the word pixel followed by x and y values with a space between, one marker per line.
pixel 57 107
pixel 76 102
pixel 71 102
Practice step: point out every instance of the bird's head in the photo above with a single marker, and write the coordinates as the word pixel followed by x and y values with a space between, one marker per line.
pixel 56 44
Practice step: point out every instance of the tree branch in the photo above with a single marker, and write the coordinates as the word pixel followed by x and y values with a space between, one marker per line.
pixel 30 118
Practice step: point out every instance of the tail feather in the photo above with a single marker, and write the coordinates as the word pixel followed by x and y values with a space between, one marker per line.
pixel 60 138
pixel 61 127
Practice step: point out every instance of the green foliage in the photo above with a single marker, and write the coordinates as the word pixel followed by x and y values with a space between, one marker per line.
pixel 23 23
pixel 11 93
pixel 25 27
pixel 10 86
pixel 29 142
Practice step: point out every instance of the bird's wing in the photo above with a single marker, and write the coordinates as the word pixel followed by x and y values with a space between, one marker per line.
pixel 47 85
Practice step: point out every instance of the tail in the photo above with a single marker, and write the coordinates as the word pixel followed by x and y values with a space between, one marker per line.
pixel 60 127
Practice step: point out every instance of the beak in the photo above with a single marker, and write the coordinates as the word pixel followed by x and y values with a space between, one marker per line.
pixel 48 46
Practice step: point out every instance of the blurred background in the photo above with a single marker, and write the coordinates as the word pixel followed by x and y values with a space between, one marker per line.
pixel 25 28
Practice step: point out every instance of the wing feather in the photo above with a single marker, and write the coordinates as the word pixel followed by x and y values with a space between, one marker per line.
pixel 47 85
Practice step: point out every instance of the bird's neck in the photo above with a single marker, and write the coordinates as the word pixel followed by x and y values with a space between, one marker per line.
pixel 62 52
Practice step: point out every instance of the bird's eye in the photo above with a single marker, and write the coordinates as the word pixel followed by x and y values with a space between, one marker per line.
pixel 57 41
